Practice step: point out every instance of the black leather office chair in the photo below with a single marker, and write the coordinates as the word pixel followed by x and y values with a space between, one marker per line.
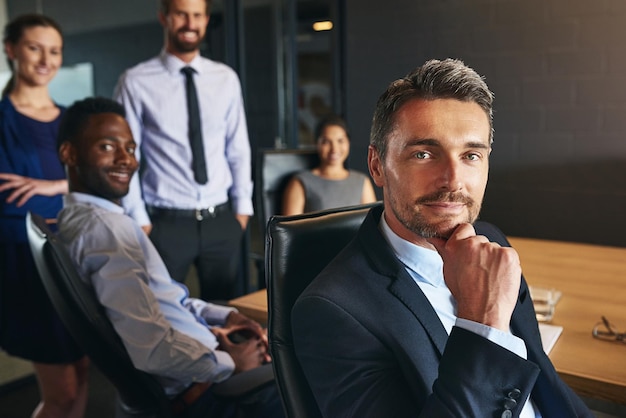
pixel 297 248
pixel 274 168
pixel 139 393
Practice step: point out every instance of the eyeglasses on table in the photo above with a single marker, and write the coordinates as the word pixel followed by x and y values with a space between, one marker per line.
pixel 606 331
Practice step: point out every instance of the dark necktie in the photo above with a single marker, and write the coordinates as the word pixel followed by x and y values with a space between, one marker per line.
pixel 195 129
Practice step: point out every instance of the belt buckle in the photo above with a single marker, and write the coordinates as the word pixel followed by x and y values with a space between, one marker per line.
pixel 204 213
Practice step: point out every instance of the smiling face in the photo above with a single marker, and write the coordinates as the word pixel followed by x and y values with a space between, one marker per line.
pixel 185 26
pixel 37 55
pixel 436 167
pixel 333 146
pixel 102 160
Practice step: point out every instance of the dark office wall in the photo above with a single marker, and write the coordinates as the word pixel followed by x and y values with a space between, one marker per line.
pixel 557 67
pixel 88 15
pixel 261 87
pixel 113 50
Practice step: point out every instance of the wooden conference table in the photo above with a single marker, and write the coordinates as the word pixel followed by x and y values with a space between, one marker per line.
pixel 593 282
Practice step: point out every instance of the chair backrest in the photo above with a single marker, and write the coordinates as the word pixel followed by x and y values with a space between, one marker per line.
pixel 273 170
pixel 75 301
pixel 297 248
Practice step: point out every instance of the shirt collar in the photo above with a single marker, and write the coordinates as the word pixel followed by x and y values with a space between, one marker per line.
pixel 425 263
pixel 76 198
pixel 173 64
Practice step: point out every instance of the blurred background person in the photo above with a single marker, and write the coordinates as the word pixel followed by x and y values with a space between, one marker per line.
pixel 32 179
pixel 194 192
pixel 331 184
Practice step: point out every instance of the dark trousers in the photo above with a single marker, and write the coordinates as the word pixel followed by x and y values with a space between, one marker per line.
pixel 212 244
pixel 261 404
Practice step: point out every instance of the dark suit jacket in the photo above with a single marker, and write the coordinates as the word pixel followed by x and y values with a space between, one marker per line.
pixel 371 345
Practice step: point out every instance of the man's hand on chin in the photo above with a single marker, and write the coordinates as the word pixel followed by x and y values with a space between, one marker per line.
pixel 483 277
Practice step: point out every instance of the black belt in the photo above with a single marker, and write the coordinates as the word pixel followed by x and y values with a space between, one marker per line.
pixel 198 214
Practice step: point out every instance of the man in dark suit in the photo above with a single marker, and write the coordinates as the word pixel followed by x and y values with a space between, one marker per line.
pixel 425 312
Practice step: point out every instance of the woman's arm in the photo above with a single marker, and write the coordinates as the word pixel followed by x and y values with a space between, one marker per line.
pixel 293 198
pixel 23 188
pixel 368 195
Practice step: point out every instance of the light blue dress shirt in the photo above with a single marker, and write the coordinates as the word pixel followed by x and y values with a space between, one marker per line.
pixel 154 95
pixel 164 331
pixel 425 266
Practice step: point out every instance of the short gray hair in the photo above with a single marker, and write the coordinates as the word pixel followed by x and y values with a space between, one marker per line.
pixel 447 79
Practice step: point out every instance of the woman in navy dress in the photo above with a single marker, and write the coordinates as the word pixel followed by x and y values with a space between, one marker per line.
pixel 32 179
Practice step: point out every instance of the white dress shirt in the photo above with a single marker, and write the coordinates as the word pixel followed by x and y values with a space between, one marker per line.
pixel 154 95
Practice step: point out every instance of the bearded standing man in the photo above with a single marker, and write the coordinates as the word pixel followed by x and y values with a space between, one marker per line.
pixel 194 193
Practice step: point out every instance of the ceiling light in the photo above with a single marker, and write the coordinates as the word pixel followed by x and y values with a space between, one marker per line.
pixel 323 25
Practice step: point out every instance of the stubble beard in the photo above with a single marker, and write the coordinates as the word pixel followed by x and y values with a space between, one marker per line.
pixel 183 46
pixel 411 218
pixel 95 181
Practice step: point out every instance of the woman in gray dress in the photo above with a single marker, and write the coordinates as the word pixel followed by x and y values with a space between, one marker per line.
pixel 331 184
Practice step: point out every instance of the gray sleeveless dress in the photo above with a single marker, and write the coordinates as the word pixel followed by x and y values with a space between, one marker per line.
pixel 325 194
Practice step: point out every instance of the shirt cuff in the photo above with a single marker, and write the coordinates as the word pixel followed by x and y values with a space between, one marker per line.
pixel 243 207
pixel 216 314
pixel 140 215
pixel 503 339
pixel 224 368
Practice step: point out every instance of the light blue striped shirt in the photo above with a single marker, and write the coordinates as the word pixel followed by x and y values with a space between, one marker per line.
pixel 425 266
pixel 153 93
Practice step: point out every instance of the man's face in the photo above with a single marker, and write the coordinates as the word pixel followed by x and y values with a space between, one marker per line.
pixel 185 25
pixel 103 158
pixel 435 172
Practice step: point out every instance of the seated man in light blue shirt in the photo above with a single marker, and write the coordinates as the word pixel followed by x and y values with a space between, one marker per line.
pixel 183 342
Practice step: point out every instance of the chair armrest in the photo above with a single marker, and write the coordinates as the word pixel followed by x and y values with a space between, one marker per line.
pixel 246 382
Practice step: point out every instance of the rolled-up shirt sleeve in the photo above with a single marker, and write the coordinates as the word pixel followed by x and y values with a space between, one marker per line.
pixel 113 259
pixel 214 315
